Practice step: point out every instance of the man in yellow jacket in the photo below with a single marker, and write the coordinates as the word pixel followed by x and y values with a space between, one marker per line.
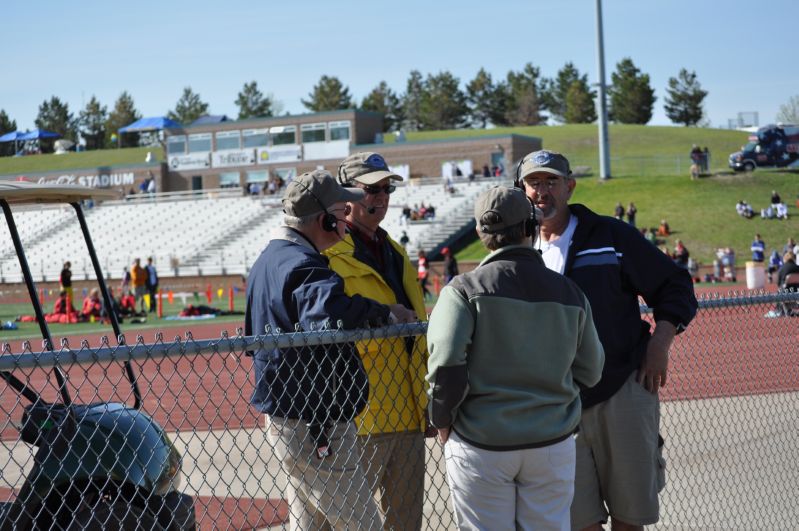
pixel 392 426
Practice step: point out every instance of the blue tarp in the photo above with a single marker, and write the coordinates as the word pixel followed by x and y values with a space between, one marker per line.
pixel 37 134
pixel 13 136
pixel 150 124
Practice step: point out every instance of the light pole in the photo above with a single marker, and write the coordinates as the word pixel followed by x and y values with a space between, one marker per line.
pixel 602 104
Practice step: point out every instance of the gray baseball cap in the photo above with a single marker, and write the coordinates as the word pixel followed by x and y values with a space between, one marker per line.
pixel 510 204
pixel 316 191
pixel 366 167
pixel 544 161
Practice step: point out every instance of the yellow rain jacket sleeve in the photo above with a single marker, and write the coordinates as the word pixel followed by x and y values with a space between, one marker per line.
pixel 397 387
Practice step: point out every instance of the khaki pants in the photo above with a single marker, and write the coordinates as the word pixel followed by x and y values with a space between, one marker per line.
pixel 332 490
pixel 394 467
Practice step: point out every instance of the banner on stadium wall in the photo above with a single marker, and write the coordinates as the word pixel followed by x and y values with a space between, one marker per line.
pixel 335 149
pixel 403 170
pixel 448 168
pixel 193 161
pixel 102 180
pixel 283 153
pixel 226 159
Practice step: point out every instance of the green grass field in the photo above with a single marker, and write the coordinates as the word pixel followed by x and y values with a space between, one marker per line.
pixel 72 161
pixel 701 213
pixel 10 311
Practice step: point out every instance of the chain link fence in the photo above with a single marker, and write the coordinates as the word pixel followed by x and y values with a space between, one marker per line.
pixel 198 454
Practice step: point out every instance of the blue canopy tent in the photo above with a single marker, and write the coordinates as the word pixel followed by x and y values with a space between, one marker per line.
pixel 13 136
pixel 143 125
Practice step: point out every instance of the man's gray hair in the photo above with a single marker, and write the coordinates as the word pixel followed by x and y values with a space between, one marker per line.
pixel 299 222
pixel 513 235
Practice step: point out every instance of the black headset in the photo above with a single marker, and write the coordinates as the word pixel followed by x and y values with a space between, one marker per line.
pixel 530 225
pixel 329 221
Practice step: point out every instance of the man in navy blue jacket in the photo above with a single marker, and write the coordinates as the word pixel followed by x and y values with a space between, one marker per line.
pixel 620 468
pixel 311 394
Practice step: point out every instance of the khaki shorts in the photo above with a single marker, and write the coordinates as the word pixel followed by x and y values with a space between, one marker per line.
pixel 620 467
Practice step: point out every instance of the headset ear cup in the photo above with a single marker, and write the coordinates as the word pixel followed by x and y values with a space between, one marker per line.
pixel 329 223
pixel 517 182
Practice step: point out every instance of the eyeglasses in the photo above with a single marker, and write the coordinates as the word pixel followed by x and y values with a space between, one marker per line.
pixel 374 190
pixel 538 184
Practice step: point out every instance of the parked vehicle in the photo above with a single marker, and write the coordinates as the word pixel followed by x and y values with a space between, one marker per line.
pixel 103 465
pixel 771 146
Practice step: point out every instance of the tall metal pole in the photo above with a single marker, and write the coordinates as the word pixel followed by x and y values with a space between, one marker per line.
pixel 602 103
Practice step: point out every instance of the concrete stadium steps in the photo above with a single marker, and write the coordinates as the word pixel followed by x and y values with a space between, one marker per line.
pixel 206 235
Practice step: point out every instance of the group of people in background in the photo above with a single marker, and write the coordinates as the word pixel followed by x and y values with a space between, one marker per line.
pixel 558 431
pixel 700 161
pixel 631 211
pixel 776 208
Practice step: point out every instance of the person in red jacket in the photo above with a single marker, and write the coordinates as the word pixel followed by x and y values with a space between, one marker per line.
pixel 92 305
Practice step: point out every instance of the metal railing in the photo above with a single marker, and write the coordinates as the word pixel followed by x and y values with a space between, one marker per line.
pixel 729 418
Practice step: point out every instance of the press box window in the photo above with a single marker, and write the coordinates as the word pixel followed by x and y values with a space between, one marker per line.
pixel 285 134
pixel 257 176
pixel 339 130
pixel 254 138
pixel 228 140
pixel 176 145
pixel 229 180
pixel 200 143
pixel 312 133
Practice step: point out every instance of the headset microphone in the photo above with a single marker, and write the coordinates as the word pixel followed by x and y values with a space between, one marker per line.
pixel 371 210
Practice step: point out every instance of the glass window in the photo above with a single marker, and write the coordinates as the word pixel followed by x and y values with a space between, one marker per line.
pixel 339 130
pixel 286 174
pixel 200 142
pixel 283 134
pixel 229 179
pixel 253 138
pixel 228 140
pixel 313 132
pixel 257 176
pixel 176 145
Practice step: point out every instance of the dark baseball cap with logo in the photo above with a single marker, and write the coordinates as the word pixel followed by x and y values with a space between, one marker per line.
pixel 366 167
pixel 509 204
pixel 544 161
pixel 314 192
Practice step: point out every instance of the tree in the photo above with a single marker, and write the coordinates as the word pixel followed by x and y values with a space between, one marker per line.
pixel 7 125
pixel 483 98
pixel 579 105
pixel 556 91
pixel 789 112
pixel 92 122
pixel 383 100
pixel 188 108
pixel 443 104
pixel 328 95
pixel 522 97
pixel 631 96
pixel 684 99
pixel 252 103
pixel 54 116
pixel 412 101
pixel 124 113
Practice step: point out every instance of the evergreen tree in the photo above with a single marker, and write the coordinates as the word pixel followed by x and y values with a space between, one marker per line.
pixel 383 100
pixel 579 105
pixel 54 116
pixel 7 125
pixel 443 103
pixel 412 101
pixel 555 92
pixel 483 97
pixel 252 103
pixel 188 108
pixel 631 96
pixel 92 121
pixel 522 97
pixel 124 113
pixel 789 112
pixel 328 95
pixel 684 99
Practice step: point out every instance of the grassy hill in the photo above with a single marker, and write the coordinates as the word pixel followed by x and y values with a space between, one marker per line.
pixel 701 213
pixel 649 165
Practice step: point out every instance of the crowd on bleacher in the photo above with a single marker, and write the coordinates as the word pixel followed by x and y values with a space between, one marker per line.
pixel 419 212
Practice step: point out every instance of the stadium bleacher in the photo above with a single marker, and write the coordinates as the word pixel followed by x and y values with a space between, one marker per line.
pixel 207 234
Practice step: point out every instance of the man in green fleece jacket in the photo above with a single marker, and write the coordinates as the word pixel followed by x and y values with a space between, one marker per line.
pixel 511 344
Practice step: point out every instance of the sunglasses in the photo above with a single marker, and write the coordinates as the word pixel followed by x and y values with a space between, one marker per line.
pixel 374 190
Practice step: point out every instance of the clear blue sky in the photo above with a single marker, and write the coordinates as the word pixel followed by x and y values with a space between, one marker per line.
pixel 740 50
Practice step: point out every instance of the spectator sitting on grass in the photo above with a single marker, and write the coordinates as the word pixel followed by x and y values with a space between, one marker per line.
pixel 663 229
pixel 744 209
